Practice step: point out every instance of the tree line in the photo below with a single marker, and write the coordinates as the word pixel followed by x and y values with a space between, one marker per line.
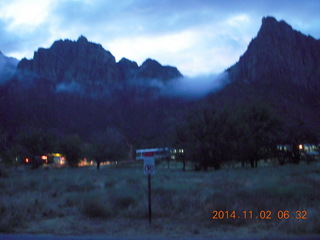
pixel 105 145
pixel 35 121
pixel 210 137
pixel 240 133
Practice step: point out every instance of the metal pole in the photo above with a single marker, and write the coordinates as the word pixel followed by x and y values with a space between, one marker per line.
pixel 149 192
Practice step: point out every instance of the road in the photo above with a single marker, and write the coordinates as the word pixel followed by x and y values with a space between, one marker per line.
pixel 53 237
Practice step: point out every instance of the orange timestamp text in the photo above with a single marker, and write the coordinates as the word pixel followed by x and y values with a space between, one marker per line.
pixel 263 214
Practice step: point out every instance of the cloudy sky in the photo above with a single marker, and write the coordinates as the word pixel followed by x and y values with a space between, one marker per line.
pixel 198 36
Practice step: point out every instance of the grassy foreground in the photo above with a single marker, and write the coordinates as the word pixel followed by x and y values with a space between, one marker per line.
pixel 113 201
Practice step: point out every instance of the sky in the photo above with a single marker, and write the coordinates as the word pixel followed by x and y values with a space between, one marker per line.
pixel 199 37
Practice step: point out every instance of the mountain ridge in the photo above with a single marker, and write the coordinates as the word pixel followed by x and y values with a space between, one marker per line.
pixel 279 68
pixel 279 54
pixel 90 65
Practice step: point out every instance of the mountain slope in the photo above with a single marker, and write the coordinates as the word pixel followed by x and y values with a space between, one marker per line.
pixel 77 87
pixel 7 67
pixel 281 68
pixel 88 65
pixel 280 54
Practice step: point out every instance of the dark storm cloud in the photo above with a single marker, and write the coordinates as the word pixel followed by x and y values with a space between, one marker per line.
pixel 14 41
pixel 135 17
pixel 168 12
pixel 100 16
pixel 145 17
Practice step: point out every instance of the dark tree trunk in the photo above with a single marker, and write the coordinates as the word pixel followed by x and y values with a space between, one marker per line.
pixel 252 163
pixel 243 163
pixel 98 165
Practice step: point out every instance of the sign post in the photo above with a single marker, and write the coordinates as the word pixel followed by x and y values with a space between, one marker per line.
pixel 149 168
pixel 149 197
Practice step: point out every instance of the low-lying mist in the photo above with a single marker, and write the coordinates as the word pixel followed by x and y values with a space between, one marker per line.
pixel 7 68
pixel 185 87
pixel 195 87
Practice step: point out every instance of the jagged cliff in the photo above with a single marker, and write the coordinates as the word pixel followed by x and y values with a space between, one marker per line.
pixel 280 54
pixel 279 68
pixel 89 65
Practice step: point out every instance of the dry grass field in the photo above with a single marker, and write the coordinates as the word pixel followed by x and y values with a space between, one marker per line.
pixel 113 201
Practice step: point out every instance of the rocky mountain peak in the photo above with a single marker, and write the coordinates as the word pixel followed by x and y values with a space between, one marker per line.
pixel 151 69
pixel 280 54
pixel 82 40
pixel 66 61
pixel 89 65
pixel 127 69
pixel 270 25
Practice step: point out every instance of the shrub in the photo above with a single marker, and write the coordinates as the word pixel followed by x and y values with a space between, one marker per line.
pixel 124 202
pixel 95 208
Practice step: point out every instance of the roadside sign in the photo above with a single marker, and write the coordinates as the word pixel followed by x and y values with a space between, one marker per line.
pixel 149 169
pixel 149 166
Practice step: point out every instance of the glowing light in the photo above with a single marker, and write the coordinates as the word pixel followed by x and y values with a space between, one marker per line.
pixel 56 154
pixel 27 160
pixel 300 146
pixel 62 161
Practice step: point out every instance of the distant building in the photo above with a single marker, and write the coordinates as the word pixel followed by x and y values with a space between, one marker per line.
pixel 158 153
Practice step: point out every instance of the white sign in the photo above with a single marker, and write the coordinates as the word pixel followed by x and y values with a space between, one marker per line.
pixel 149 166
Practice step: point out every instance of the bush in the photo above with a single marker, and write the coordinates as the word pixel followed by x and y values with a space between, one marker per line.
pixel 71 147
pixel 124 202
pixel 95 208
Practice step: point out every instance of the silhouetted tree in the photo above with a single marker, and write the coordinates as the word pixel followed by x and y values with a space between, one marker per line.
pixel 208 136
pixel 71 148
pixel 108 145
pixel 298 134
pixel 259 133
pixel 246 133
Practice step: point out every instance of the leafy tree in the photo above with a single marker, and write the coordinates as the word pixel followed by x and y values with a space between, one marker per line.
pixel 108 145
pixel 37 141
pixel 71 147
pixel 182 143
pixel 207 136
pixel 259 130
pixel 296 134
pixel 212 137
pixel 33 143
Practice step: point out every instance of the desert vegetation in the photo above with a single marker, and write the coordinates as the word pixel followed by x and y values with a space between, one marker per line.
pixel 113 201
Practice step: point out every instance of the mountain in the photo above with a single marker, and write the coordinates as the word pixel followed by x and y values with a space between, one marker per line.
pixel 77 87
pixel 151 69
pixel 281 67
pixel 7 67
pixel 280 54
pixel 85 64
